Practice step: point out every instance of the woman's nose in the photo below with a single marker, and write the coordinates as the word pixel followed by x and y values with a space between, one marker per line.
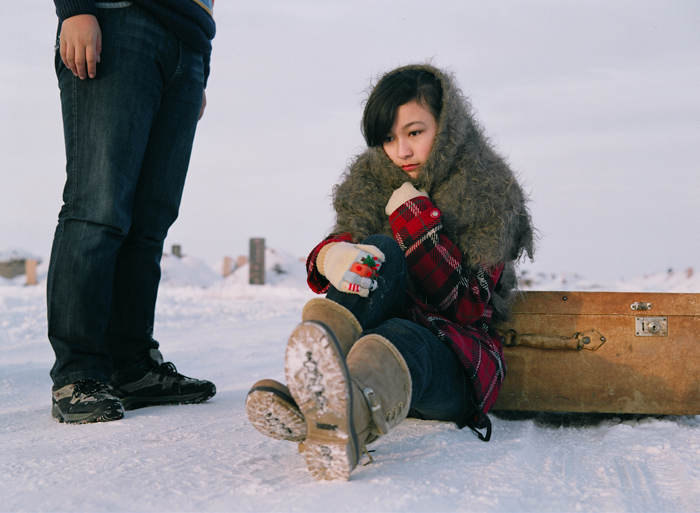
pixel 405 150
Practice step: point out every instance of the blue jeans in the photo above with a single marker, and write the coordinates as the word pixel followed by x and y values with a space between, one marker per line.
pixel 128 136
pixel 441 390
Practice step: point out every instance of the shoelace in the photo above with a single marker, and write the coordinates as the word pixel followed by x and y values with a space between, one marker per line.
pixel 168 368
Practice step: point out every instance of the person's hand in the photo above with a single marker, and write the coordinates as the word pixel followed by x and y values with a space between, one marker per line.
pixel 352 268
pixel 401 195
pixel 204 105
pixel 81 45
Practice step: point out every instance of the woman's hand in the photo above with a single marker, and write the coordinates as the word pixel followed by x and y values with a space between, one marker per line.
pixel 81 45
pixel 401 195
pixel 351 268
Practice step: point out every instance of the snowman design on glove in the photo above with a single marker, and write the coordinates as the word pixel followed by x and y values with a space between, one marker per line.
pixel 352 268
pixel 362 274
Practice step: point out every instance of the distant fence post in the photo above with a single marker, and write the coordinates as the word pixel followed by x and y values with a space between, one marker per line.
pixel 241 261
pixel 30 271
pixel 257 262
pixel 177 250
pixel 228 266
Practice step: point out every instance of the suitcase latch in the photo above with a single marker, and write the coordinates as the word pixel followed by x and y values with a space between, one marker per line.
pixel 651 326
pixel 640 305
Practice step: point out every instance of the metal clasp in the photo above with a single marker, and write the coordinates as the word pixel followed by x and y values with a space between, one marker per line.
pixel 651 326
pixel 640 305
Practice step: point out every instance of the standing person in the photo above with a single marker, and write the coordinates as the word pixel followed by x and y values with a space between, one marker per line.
pixel 132 76
pixel 418 271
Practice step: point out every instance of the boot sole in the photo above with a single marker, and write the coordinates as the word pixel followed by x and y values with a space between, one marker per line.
pixel 274 414
pixel 319 380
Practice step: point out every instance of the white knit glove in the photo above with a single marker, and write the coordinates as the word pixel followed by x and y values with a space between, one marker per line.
pixel 351 268
pixel 401 195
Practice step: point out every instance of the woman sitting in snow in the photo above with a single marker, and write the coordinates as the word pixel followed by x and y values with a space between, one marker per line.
pixel 417 271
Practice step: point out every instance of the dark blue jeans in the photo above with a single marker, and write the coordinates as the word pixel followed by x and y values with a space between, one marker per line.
pixel 128 136
pixel 440 387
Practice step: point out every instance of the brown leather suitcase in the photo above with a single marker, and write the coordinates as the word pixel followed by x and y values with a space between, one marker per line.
pixel 604 352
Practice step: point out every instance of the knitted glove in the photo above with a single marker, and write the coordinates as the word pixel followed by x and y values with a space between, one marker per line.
pixel 401 195
pixel 350 267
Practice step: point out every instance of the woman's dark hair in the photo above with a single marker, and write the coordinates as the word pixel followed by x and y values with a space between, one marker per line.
pixel 394 90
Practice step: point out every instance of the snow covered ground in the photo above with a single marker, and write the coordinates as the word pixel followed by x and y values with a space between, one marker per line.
pixel 208 458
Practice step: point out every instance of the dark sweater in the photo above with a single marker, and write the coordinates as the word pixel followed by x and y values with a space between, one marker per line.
pixel 192 23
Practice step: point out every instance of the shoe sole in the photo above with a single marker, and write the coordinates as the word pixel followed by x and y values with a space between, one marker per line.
pixel 319 381
pixel 107 415
pixel 135 402
pixel 274 414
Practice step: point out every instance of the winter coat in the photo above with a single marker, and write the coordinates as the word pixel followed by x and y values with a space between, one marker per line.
pixel 460 243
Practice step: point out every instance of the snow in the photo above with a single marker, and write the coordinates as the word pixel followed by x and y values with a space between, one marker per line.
pixel 208 457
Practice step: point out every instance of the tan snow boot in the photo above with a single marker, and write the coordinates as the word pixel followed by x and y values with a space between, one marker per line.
pixel 272 411
pixel 347 404
pixel 336 317
pixel 269 405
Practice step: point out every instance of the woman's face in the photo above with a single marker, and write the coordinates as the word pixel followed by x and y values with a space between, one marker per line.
pixel 410 139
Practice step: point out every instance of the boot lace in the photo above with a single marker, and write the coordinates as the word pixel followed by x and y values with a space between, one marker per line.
pixel 168 369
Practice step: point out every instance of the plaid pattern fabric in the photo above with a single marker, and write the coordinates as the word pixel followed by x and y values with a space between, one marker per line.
pixel 452 301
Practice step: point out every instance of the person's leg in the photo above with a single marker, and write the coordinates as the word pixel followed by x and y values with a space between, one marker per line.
pixel 140 376
pixel 388 300
pixel 155 207
pixel 164 99
pixel 107 121
pixel 440 386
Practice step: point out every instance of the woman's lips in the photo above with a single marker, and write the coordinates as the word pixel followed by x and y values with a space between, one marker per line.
pixel 409 167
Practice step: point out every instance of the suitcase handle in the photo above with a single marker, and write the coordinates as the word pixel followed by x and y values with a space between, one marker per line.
pixel 590 340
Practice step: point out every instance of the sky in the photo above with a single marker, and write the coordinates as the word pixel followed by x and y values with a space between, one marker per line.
pixel 595 105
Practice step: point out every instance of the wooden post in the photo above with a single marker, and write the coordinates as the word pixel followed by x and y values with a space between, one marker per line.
pixel 177 250
pixel 241 261
pixel 30 271
pixel 257 262
pixel 228 266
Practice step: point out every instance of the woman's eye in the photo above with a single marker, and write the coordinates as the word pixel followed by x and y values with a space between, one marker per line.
pixel 388 139
pixel 415 132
